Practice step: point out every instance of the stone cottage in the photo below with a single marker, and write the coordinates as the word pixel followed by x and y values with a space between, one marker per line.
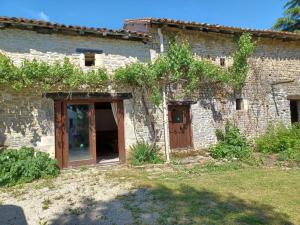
pixel 94 127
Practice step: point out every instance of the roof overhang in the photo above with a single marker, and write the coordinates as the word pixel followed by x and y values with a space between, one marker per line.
pixel 87 95
pixel 49 28
pixel 204 27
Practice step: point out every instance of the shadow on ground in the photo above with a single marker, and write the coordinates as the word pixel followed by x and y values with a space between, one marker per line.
pixel 162 205
pixel 11 215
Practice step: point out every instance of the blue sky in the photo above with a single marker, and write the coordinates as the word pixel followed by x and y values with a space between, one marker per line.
pixel 259 14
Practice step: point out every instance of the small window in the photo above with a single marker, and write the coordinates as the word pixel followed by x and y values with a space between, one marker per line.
pixel 222 61
pixel 177 116
pixel 239 104
pixel 89 55
pixel 89 59
pixel 294 111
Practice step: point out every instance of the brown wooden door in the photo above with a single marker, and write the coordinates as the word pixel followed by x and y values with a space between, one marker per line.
pixel 180 126
pixel 75 141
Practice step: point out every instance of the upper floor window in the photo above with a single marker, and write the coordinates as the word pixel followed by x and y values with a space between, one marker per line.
pixel 222 61
pixel 89 55
pixel 89 59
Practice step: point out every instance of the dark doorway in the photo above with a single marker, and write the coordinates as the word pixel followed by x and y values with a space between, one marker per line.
pixel 294 111
pixel 180 126
pixel 106 133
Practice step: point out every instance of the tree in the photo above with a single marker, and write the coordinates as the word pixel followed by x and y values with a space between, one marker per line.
pixel 291 20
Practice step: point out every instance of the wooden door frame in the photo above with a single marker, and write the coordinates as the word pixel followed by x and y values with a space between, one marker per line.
pixel 189 118
pixel 61 137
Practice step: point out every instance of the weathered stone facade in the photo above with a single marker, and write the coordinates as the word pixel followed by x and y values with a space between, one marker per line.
pixel 27 119
pixel 274 75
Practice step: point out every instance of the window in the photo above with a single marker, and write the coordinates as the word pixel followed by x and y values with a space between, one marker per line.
pixel 177 116
pixel 239 104
pixel 89 55
pixel 222 61
pixel 89 59
pixel 294 111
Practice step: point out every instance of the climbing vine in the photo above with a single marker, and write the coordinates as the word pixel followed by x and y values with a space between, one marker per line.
pixel 44 76
pixel 178 65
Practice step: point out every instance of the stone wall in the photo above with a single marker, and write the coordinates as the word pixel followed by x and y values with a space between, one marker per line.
pixel 27 118
pixel 274 75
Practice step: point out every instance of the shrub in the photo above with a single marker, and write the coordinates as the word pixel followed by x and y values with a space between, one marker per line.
pixel 142 153
pixel 25 165
pixel 282 140
pixel 231 144
pixel 278 138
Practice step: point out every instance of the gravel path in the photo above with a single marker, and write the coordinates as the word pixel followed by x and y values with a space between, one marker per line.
pixel 77 197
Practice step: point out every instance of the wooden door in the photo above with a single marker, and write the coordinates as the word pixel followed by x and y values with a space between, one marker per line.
pixel 80 147
pixel 79 138
pixel 180 126
pixel 67 131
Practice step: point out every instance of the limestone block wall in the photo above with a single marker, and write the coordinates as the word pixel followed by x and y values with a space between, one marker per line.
pixel 26 118
pixel 143 120
pixel 21 44
pixel 274 75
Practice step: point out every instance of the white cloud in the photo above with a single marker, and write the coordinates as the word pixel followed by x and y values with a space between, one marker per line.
pixel 43 16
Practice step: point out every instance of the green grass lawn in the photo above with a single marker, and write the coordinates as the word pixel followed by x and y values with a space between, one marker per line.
pixel 218 194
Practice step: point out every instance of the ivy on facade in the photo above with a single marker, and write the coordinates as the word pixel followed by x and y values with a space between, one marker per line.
pixel 178 65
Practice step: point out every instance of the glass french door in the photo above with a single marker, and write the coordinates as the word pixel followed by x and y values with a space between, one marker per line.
pixel 75 132
pixel 80 134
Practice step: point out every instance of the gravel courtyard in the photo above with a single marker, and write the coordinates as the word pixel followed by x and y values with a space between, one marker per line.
pixel 81 197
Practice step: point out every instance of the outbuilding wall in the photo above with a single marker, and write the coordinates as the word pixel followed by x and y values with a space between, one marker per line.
pixel 26 117
pixel 274 75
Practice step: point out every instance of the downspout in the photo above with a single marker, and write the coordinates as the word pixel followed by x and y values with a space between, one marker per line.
pixel 165 105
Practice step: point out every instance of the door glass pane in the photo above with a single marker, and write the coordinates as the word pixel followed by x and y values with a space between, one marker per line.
pixel 78 132
pixel 177 116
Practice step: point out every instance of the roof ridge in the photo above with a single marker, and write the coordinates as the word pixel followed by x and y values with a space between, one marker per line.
pixel 194 23
pixel 48 24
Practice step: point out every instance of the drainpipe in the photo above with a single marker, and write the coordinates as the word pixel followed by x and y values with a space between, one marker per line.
pixel 165 105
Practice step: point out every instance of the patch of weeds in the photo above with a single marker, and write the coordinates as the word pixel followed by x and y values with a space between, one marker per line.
pixel 130 203
pixel 76 211
pixel 195 170
pixel 175 163
pixel 83 168
pixel 209 167
pixel 46 204
pixel 143 153
pixel 46 183
pixel 42 221
pixel 230 166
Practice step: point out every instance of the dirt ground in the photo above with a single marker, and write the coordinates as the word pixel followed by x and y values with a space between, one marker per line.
pixel 82 196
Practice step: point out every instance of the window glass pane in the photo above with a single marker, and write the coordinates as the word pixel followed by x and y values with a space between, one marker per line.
pixel 177 116
pixel 78 132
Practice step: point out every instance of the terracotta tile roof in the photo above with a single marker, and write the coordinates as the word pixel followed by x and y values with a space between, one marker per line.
pixel 44 26
pixel 215 28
